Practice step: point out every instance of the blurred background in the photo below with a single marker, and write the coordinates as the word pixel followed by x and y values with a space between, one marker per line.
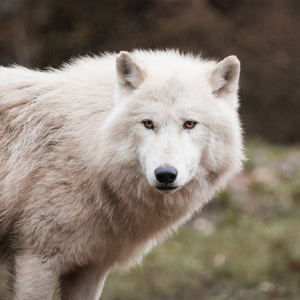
pixel 246 243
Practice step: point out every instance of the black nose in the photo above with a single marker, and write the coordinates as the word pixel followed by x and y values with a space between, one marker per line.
pixel 166 174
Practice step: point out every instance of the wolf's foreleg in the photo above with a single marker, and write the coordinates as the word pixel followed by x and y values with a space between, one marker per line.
pixel 31 279
pixel 83 283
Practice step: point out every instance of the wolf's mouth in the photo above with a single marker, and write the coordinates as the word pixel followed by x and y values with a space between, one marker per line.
pixel 166 188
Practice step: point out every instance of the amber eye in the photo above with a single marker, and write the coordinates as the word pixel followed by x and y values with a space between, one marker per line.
pixel 148 124
pixel 189 124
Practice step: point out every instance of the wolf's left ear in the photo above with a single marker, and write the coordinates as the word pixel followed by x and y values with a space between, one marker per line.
pixel 224 77
pixel 130 75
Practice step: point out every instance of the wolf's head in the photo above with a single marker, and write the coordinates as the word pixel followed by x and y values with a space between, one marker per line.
pixel 177 118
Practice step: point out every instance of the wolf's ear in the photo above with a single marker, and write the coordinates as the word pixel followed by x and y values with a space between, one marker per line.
pixel 224 77
pixel 130 75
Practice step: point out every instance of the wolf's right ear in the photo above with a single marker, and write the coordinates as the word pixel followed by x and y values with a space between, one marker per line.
pixel 130 75
pixel 224 77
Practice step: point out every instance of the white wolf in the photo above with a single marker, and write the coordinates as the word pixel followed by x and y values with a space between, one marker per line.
pixel 104 158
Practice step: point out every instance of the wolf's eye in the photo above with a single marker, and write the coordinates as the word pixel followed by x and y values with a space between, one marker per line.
pixel 189 124
pixel 148 124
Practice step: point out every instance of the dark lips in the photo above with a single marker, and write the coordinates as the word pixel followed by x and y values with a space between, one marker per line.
pixel 166 188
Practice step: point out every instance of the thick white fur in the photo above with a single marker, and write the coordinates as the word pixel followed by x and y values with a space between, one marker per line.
pixel 77 183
